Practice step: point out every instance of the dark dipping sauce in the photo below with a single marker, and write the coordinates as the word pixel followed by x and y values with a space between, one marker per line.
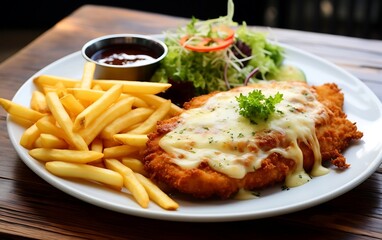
pixel 125 54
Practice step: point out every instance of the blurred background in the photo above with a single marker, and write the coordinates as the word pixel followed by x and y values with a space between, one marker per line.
pixel 22 21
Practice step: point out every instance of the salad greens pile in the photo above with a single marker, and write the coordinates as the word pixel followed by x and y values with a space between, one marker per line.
pixel 208 57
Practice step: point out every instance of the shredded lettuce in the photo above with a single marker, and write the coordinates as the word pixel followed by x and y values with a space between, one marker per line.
pixel 218 70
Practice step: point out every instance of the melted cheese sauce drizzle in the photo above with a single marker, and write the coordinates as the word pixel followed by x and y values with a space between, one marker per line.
pixel 217 134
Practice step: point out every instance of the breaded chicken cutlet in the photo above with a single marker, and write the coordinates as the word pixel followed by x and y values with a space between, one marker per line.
pixel 210 150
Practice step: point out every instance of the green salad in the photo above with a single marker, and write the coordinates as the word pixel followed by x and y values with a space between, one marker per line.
pixel 216 54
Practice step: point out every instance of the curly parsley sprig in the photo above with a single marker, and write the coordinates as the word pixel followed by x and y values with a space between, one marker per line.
pixel 256 107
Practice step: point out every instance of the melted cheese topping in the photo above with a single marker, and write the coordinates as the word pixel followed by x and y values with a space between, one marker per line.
pixel 217 134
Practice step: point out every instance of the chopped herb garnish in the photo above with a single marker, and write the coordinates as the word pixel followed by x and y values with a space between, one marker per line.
pixel 284 187
pixel 182 131
pixel 256 107
pixel 256 194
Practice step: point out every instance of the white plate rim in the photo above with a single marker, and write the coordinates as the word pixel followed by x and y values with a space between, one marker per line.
pixel 76 190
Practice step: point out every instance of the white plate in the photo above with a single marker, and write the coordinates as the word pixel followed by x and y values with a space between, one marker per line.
pixel 361 105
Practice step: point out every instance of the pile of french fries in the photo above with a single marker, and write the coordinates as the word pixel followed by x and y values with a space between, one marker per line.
pixel 95 130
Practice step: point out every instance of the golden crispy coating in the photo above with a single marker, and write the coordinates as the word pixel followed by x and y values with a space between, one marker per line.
pixel 334 135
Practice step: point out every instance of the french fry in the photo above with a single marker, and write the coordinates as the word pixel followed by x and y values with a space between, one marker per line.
pixel 119 151
pixel 97 87
pixel 150 123
pixel 50 80
pixel 72 105
pixel 60 89
pixel 135 86
pixel 97 108
pixel 130 181
pixel 97 146
pixel 157 101
pixel 85 171
pixel 109 143
pixel 21 121
pixel 65 155
pixel 129 128
pixel 47 125
pixel 64 121
pixel 156 194
pixel 29 136
pixel 135 116
pixel 85 103
pixel 86 94
pixel 38 102
pixel 128 86
pixel 51 141
pixel 139 103
pixel 116 110
pixel 87 75
pixel 37 143
pixel 134 164
pixel 138 140
pixel 93 95
pixel 20 111
pixel 45 89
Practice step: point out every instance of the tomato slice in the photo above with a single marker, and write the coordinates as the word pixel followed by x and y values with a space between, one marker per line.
pixel 208 44
pixel 225 30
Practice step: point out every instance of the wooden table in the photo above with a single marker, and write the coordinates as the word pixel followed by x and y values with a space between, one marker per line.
pixel 30 207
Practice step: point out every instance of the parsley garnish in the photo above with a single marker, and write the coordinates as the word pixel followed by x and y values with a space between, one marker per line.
pixel 256 107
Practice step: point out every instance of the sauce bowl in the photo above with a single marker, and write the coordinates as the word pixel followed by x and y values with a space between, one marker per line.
pixel 131 57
